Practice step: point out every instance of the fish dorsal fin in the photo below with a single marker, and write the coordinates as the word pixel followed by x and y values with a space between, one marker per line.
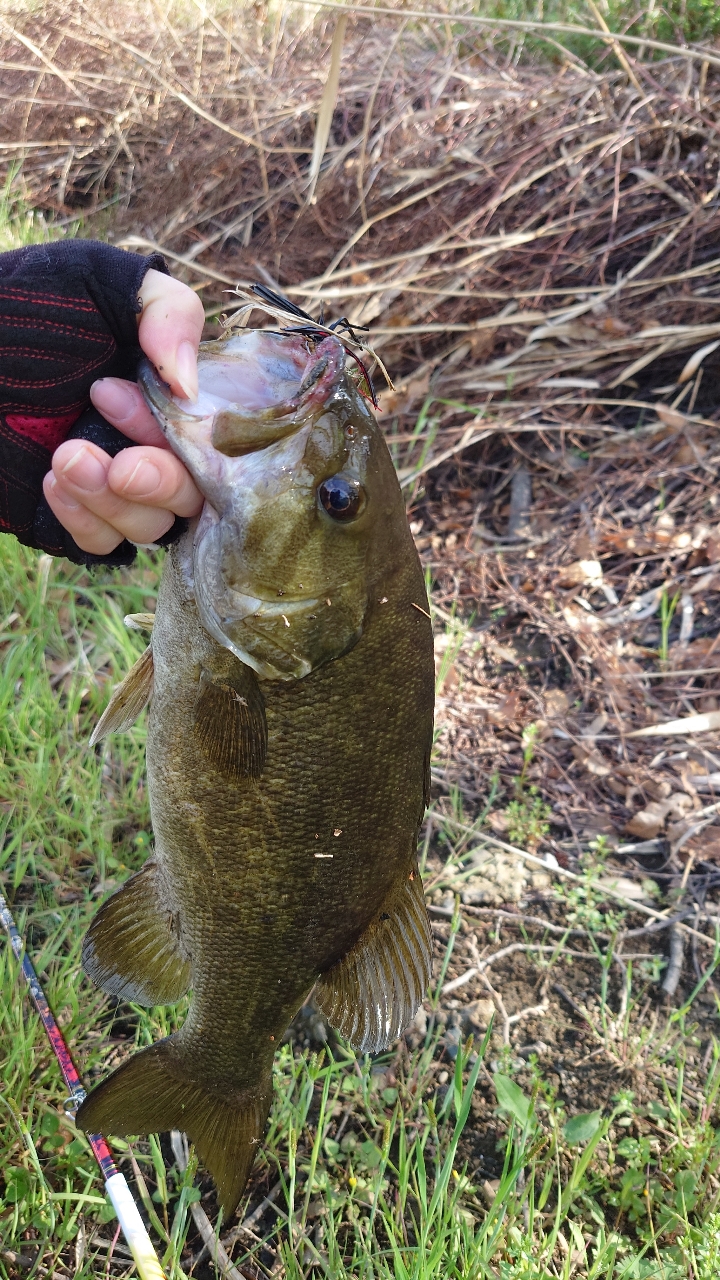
pixel 372 994
pixel 128 700
pixel 132 948
pixel 230 722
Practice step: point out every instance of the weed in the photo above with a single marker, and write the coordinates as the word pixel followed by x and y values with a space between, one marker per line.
pixel 529 819
pixel 667 611
pixel 21 225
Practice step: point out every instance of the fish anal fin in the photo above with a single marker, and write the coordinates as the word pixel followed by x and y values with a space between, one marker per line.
pixel 230 723
pixel 128 700
pixel 132 947
pixel 151 1093
pixel 373 993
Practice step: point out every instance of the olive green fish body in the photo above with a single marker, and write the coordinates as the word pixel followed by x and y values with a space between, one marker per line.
pixel 285 807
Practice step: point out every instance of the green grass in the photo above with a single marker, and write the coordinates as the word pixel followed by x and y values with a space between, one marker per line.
pixel 673 22
pixel 374 1160
pixel 21 225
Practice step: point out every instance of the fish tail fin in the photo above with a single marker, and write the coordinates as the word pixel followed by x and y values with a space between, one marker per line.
pixel 151 1093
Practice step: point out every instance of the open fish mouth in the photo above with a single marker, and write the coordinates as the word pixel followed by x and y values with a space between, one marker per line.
pixel 254 387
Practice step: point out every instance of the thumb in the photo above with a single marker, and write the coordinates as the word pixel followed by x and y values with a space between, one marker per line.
pixel 169 330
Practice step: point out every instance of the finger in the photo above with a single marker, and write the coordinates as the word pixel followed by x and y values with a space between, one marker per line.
pixel 90 532
pixel 169 331
pixel 122 403
pixel 154 477
pixel 81 471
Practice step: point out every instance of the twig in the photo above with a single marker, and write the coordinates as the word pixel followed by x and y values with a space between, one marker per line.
pixel 218 1254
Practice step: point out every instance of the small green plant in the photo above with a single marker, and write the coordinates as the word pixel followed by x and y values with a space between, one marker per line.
pixel 528 818
pixel 529 738
pixel 528 813
pixel 21 225
pixel 667 611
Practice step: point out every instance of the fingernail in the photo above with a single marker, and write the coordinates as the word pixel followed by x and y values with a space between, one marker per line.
pixel 143 480
pixel 113 398
pixel 60 496
pixel 186 369
pixel 84 471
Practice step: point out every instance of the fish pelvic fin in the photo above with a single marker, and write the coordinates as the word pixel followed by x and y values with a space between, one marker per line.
pixel 128 700
pixel 132 948
pixel 230 723
pixel 372 994
pixel 151 1093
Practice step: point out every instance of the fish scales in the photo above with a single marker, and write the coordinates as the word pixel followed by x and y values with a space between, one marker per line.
pixel 285 802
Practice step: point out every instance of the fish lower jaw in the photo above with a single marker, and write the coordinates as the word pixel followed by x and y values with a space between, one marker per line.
pixel 220 628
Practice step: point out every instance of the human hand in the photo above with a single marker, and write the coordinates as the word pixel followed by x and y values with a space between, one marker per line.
pixel 101 500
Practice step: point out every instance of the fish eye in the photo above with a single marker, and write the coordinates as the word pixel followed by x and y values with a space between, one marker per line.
pixel 342 496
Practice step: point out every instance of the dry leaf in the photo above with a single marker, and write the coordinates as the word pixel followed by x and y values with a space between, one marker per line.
pixel 671 417
pixel 591 760
pixel 507 712
pixel 499 821
pixel 578 619
pixel 695 655
pixel 687 454
pixel 658 789
pixel 628 540
pixel 613 326
pixel 648 822
pixel 582 573
pixel 595 727
pixel 555 703
pixel 705 846
pixel 678 804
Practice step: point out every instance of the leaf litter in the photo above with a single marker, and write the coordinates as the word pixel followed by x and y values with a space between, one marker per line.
pixel 534 249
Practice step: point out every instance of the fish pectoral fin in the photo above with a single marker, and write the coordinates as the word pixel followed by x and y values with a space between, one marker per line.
pixel 372 994
pixel 230 723
pixel 128 700
pixel 152 1092
pixel 132 948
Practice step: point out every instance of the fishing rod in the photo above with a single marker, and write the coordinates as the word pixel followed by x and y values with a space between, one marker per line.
pixel 131 1224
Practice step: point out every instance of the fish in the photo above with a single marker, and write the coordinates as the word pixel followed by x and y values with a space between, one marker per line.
pixel 290 684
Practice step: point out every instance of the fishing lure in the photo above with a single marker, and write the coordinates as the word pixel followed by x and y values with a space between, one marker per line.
pixel 317 329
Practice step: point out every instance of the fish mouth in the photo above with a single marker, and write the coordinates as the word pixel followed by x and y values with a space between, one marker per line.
pixel 254 387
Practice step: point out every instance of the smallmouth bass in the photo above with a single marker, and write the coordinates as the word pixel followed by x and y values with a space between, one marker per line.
pixel 290 687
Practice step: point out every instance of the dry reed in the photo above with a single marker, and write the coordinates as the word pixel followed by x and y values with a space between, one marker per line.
pixel 512 230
